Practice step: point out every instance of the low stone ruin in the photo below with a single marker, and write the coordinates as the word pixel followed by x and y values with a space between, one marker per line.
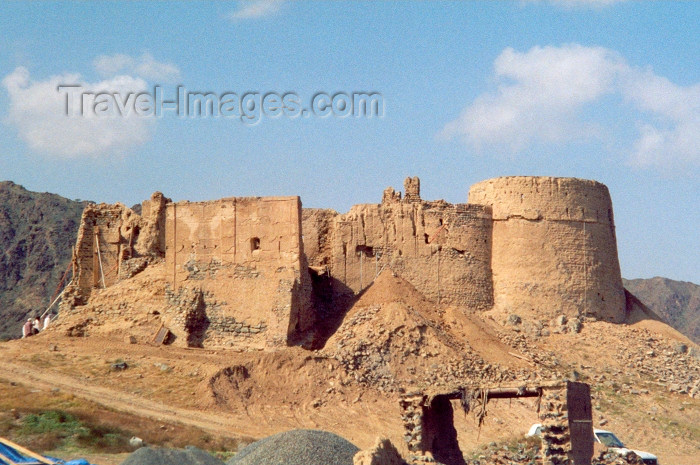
pixel 565 409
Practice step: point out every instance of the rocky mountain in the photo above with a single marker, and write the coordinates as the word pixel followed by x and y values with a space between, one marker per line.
pixel 677 301
pixel 37 232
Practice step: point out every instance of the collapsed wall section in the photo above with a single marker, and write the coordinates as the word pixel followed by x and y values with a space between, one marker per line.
pixel 554 247
pixel 114 243
pixel 237 272
pixel 317 226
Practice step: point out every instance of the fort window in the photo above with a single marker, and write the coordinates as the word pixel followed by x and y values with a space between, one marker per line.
pixel 365 250
pixel 254 244
pixel 427 238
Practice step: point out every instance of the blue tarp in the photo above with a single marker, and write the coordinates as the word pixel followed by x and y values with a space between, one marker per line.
pixel 13 455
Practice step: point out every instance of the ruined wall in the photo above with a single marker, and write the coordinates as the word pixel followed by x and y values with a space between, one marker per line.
pixel 443 250
pixel 97 257
pixel 237 272
pixel 429 429
pixel 317 226
pixel 114 243
pixel 238 268
pixel 150 239
pixel 537 246
pixel 567 432
pixel 554 247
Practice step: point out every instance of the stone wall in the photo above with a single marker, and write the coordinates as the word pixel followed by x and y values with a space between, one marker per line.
pixel 239 267
pixel 556 437
pixel 151 235
pixel 554 247
pixel 430 435
pixel 317 226
pixel 443 250
pixel 429 429
pixel 244 259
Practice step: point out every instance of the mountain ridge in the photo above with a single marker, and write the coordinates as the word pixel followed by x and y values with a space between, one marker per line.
pixel 37 233
pixel 676 301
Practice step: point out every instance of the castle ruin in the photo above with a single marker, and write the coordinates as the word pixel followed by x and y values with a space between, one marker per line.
pixel 251 272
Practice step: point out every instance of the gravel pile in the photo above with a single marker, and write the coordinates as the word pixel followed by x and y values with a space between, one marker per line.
pixel 188 456
pixel 297 447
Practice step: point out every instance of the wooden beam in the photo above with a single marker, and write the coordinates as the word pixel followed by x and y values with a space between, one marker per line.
pixel 95 258
pixel 509 393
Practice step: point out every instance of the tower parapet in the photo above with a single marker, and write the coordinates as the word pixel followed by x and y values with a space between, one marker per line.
pixel 554 247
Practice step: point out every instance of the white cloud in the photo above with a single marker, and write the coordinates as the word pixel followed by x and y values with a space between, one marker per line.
pixel 538 96
pixel 256 9
pixel 37 111
pixel 673 137
pixel 541 93
pixel 144 66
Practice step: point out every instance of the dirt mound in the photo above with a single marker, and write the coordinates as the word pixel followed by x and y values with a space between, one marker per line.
pixel 392 337
pixel 297 447
pixel 188 456
pixel 230 385
pixel 388 288
pixel 130 307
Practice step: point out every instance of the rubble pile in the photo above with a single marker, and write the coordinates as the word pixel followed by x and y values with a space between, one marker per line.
pixel 672 365
pixel 609 457
pixel 525 453
pixel 528 452
pixel 409 350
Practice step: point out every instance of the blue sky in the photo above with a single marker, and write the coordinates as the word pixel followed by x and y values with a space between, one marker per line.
pixel 606 90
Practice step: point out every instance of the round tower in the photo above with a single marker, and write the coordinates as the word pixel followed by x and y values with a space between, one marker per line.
pixel 554 247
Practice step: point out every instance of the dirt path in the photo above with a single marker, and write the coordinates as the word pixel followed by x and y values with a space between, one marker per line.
pixel 219 424
pixel 357 423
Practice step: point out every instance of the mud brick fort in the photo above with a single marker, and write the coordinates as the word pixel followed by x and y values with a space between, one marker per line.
pixel 263 272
